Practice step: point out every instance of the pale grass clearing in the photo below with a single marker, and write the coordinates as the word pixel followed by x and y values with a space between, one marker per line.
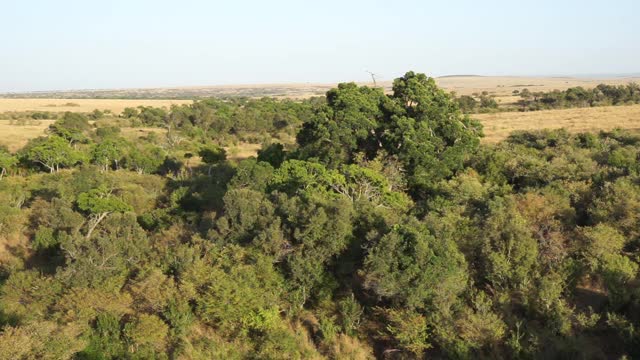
pixel 133 134
pixel 82 105
pixel 242 151
pixel 16 136
pixel 499 125
pixel 503 86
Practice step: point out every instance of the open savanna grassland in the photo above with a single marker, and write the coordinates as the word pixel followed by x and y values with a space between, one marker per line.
pixel 499 125
pixel 504 85
pixel 81 105
pixel 16 136
pixel 499 86
pixel 496 126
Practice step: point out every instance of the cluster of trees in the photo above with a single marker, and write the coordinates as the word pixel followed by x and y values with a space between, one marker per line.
pixel 228 119
pixel 479 103
pixel 601 95
pixel 72 142
pixel 388 232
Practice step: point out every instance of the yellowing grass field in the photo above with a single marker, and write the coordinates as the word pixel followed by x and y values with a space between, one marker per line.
pixel 16 136
pixel 498 126
pixel 81 105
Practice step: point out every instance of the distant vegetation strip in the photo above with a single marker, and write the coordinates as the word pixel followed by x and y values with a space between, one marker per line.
pixel 574 97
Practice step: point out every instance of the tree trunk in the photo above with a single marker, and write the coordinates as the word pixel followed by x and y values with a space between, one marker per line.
pixel 94 224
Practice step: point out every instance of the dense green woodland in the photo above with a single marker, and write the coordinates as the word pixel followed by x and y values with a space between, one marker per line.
pixel 387 231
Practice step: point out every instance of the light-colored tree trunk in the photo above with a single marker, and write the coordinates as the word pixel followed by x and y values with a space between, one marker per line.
pixel 94 223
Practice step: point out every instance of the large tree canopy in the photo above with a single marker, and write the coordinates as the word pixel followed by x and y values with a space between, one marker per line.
pixel 419 123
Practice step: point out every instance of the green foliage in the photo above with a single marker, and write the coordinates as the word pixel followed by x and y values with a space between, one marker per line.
pixel 412 268
pixel 28 295
pixel 509 250
pixel 146 331
pixel 467 104
pixel 408 329
pixel 145 158
pixel 129 113
pixel 42 340
pixel 149 116
pixel 388 232
pixel 419 123
pixel 108 152
pixel 601 95
pixel 104 259
pixel 230 287
pixel 105 339
pixel 213 154
pixel 7 161
pixel 274 154
pixel 52 152
pixel 101 200
pixel 72 127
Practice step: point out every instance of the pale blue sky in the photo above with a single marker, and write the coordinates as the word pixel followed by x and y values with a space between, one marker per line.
pixel 80 44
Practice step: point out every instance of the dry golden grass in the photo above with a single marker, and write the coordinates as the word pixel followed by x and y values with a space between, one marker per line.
pixel 503 86
pixel 498 126
pixel 16 136
pixel 81 105
pixel 136 133
pixel 242 151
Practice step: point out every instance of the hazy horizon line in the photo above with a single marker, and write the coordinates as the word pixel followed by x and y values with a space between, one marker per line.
pixel 594 76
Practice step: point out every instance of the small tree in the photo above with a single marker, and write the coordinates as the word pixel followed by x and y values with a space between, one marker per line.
pixel 96 114
pixel 467 104
pixel 129 113
pixel 7 160
pixel 145 159
pixel 107 152
pixel 212 155
pixel 99 203
pixel 72 127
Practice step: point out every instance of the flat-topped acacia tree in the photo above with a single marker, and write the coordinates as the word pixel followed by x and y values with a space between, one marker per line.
pixel 98 204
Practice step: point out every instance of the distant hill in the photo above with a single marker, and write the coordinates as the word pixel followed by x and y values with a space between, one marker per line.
pixel 458 76
pixel 461 84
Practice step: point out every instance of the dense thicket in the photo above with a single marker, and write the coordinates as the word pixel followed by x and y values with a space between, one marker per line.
pixel 388 231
